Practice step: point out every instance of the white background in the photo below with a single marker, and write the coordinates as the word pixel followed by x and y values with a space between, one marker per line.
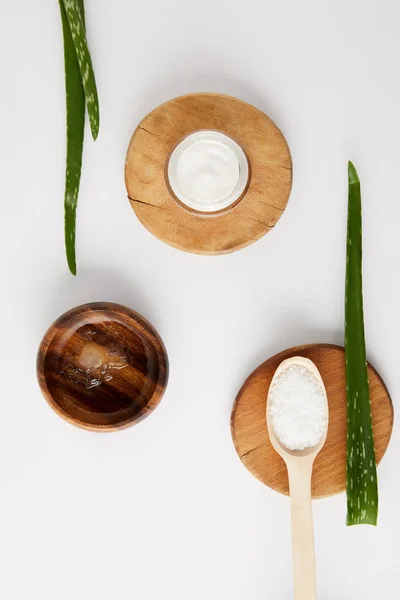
pixel 166 509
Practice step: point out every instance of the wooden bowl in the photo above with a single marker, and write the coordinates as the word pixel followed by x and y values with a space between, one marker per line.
pixel 102 367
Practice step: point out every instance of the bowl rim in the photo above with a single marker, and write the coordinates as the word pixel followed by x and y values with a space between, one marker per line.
pixel 144 328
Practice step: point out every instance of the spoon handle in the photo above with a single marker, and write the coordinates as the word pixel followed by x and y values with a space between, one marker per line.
pixel 302 529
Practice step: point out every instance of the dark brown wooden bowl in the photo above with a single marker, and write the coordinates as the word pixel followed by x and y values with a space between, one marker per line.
pixel 102 367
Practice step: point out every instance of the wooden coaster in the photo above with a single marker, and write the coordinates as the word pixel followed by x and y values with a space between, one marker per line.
pixel 249 427
pixel 260 207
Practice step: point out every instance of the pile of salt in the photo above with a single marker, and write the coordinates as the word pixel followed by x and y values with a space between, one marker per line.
pixel 297 408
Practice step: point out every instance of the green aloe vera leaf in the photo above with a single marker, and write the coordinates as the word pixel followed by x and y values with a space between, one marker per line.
pixel 75 104
pixel 82 9
pixel 77 27
pixel 362 484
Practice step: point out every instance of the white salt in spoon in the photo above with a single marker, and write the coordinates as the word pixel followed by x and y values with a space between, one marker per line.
pixel 304 426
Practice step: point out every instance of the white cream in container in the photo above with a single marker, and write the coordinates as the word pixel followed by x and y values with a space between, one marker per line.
pixel 208 171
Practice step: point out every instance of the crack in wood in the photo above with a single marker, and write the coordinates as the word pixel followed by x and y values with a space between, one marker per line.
pixel 248 452
pixel 147 203
pixel 147 131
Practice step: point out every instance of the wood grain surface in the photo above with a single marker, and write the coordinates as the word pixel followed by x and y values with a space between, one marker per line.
pixel 102 366
pixel 249 428
pixel 153 202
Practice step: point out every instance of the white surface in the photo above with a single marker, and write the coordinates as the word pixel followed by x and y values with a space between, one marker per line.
pixel 166 510
pixel 208 171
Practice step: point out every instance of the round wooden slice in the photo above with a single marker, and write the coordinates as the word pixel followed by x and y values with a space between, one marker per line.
pixel 251 217
pixel 249 428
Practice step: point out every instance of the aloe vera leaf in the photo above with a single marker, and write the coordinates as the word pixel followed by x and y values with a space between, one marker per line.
pixel 82 9
pixel 362 485
pixel 77 28
pixel 75 105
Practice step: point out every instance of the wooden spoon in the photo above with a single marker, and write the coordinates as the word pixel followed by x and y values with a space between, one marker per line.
pixel 299 464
